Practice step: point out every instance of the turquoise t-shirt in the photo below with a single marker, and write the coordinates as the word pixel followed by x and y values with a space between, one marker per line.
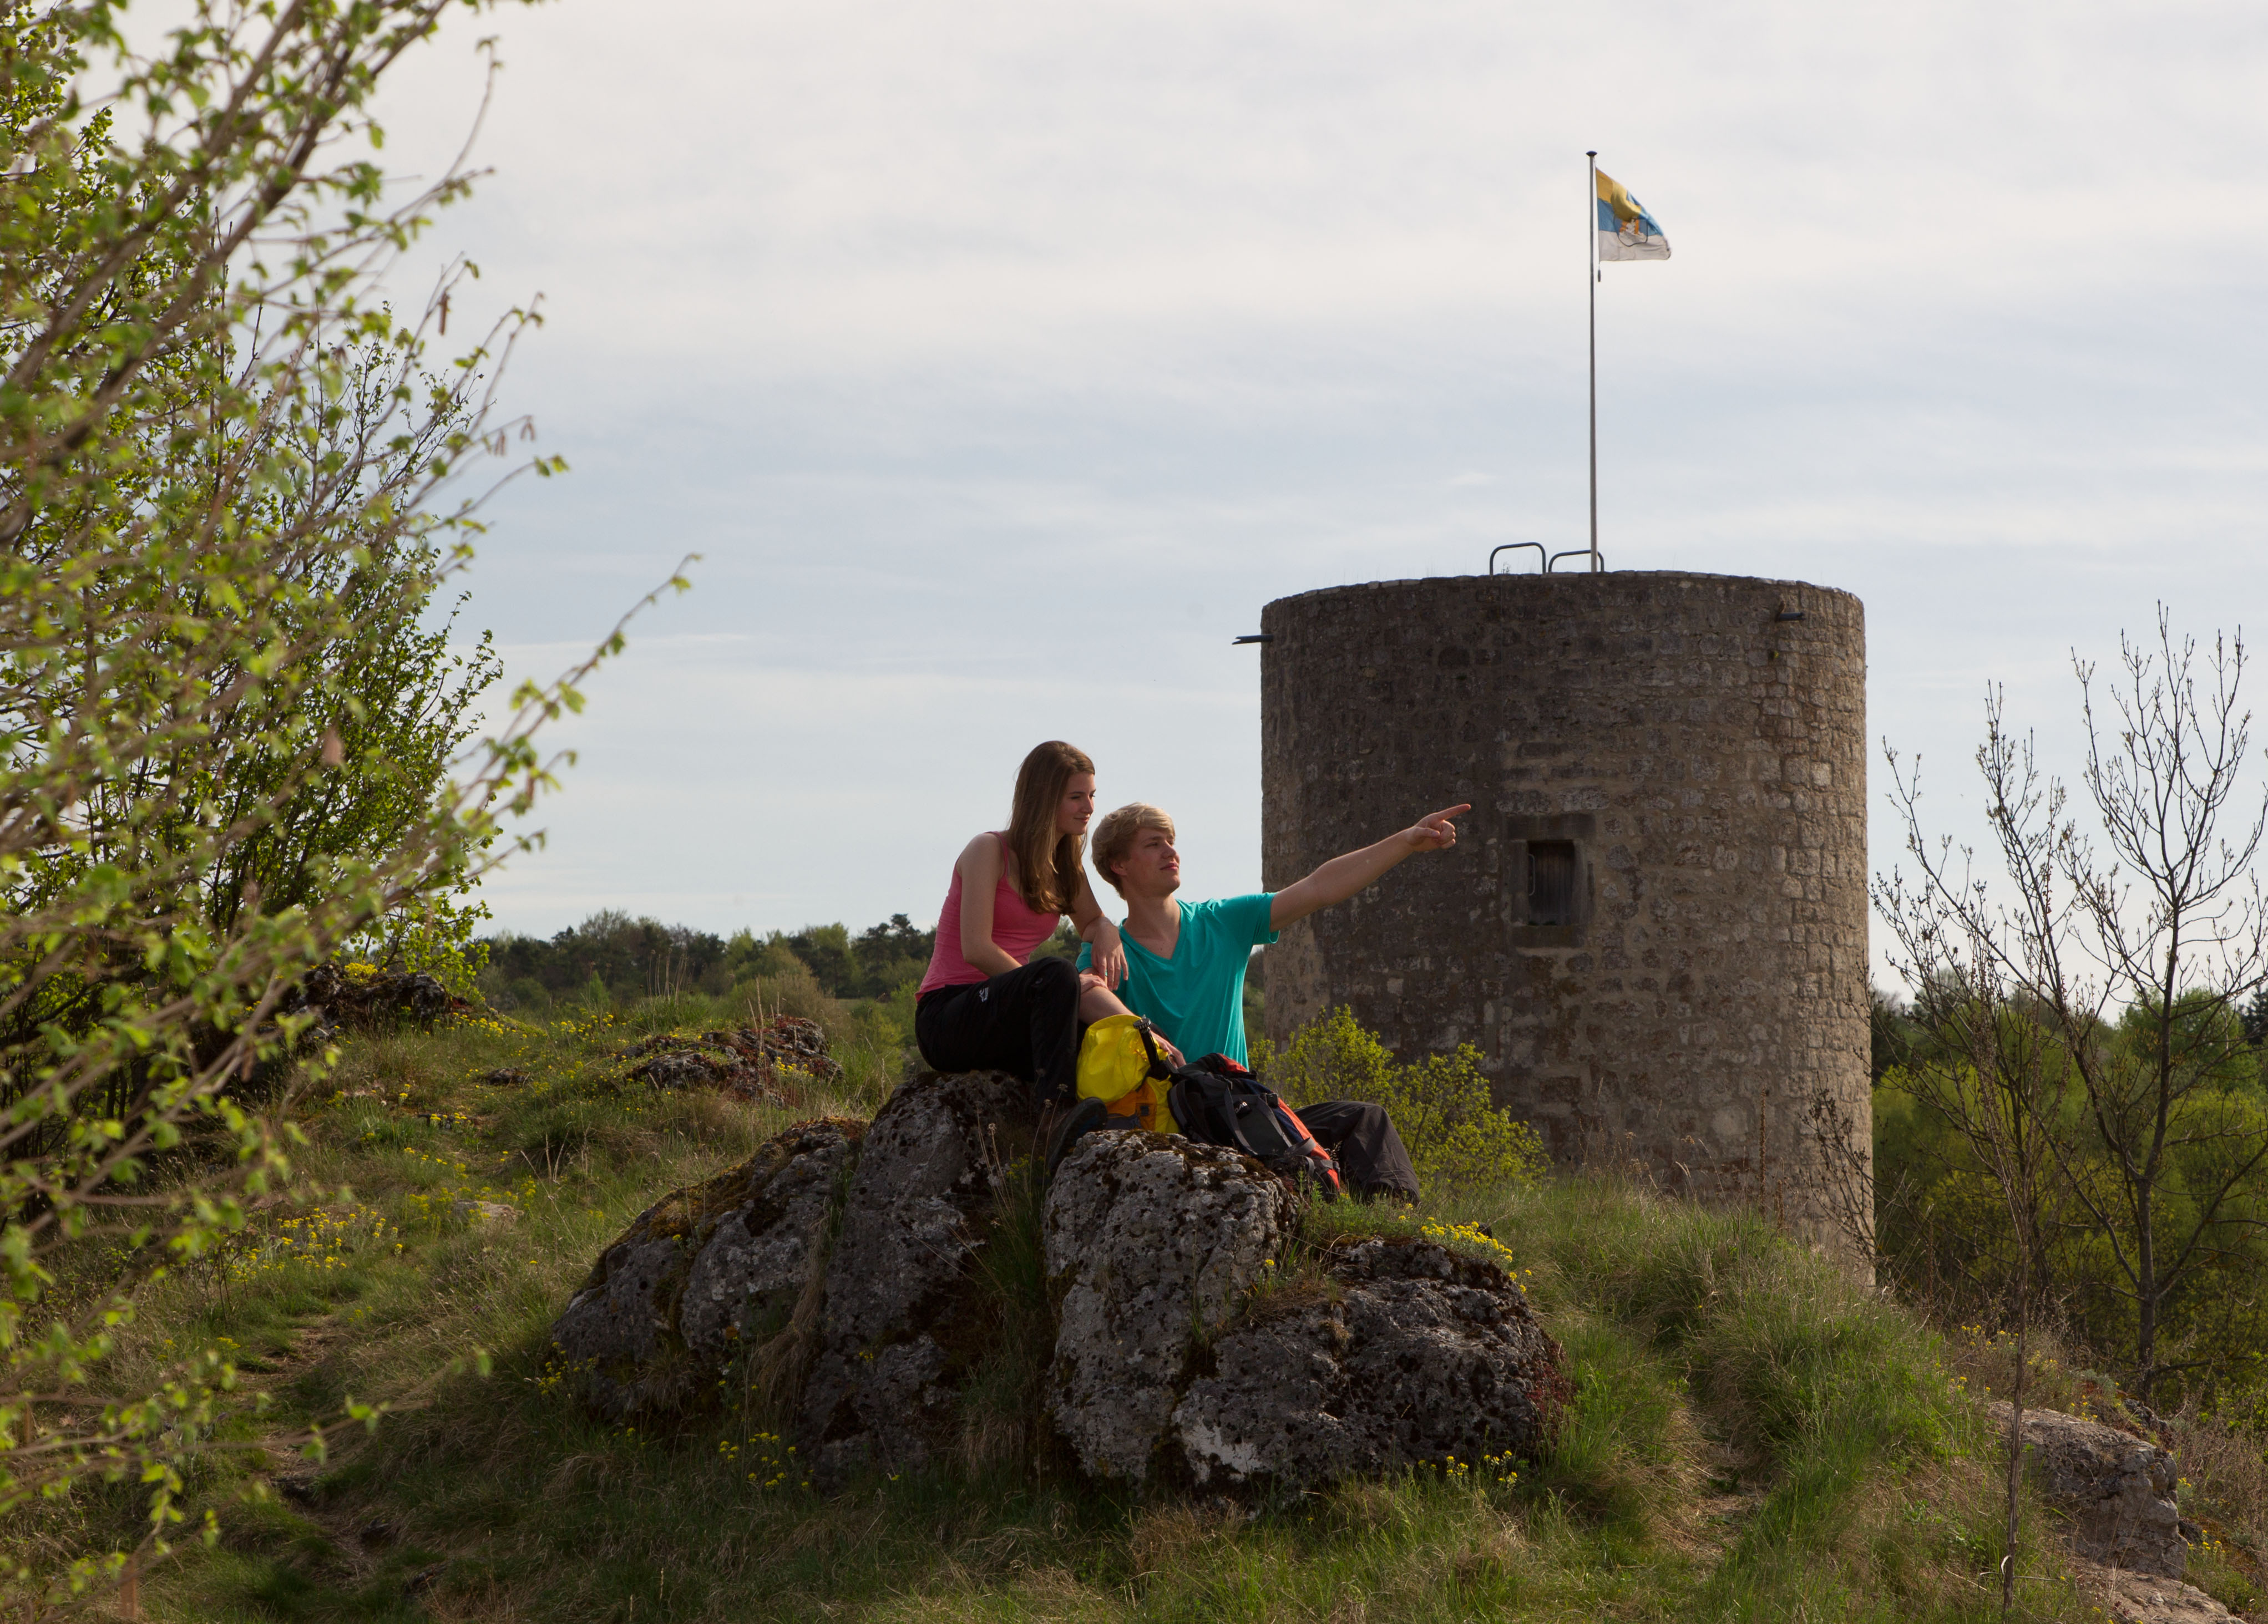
pixel 1197 997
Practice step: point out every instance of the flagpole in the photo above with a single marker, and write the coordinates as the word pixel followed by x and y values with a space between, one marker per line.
pixel 1591 263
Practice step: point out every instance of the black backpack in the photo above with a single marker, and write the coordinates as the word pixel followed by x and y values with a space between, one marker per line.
pixel 1214 1100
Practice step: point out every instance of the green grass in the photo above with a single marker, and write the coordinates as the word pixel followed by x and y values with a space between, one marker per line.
pixel 1751 1435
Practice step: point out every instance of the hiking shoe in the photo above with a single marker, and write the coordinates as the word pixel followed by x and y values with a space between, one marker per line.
pixel 1081 1117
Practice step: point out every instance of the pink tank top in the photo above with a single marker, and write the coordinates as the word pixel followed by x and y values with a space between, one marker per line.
pixel 1016 932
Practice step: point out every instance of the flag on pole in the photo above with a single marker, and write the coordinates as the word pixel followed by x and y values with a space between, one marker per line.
pixel 1626 232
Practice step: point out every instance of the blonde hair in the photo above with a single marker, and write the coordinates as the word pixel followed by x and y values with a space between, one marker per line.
pixel 1047 860
pixel 1114 836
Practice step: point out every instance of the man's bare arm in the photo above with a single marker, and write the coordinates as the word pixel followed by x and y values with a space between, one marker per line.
pixel 1096 1002
pixel 1344 875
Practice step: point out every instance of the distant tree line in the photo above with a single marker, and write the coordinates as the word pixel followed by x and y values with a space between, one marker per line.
pixel 611 957
pixel 1897 1030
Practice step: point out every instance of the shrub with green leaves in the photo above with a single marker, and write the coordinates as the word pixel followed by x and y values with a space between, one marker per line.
pixel 227 748
pixel 1457 1135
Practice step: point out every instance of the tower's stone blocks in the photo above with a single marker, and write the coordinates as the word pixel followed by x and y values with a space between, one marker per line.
pixel 1653 927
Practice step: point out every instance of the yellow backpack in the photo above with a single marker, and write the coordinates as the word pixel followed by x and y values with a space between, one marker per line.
pixel 1119 1064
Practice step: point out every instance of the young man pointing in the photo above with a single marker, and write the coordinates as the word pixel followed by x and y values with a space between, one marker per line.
pixel 1185 961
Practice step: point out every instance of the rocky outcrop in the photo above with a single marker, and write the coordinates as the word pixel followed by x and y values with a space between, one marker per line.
pixel 905 1314
pixel 704 1272
pixel 362 998
pixel 1425 1355
pixel 2116 1490
pixel 2146 1598
pixel 775 1062
pixel 1170 1368
pixel 863 1274
pixel 1152 1243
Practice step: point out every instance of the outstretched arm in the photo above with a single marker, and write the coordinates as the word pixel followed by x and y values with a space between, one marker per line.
pixel 1343 876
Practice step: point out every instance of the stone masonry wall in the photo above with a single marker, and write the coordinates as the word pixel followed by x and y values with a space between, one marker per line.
pixel 1655 925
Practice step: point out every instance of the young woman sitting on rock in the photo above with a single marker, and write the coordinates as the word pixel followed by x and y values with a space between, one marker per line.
pixel 985 1003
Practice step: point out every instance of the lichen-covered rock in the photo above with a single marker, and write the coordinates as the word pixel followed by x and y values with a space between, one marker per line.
pixel 775 1061
pixel 2117 1489
pixel 904 1316
pixel 1169 1369
pixel 703 1272
pixel 1426 1355
pixel 1152 1243
pixel 363 998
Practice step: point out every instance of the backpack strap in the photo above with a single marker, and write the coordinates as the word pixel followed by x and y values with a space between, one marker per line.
pixel 1233 1121
pixel 1158 1067
pixel 1221 1066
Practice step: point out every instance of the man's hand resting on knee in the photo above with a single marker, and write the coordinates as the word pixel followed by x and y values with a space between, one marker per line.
pixel 1096 1001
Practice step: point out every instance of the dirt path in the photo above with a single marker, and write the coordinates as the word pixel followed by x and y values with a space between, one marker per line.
pixel 357 1544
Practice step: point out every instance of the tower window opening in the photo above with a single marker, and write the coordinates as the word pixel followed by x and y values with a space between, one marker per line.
pixel 1550 882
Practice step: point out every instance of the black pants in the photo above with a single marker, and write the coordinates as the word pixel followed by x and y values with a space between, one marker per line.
pixel 1024 1022
pixel 1370 1153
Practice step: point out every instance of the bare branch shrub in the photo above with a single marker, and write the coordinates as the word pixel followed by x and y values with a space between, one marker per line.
pixel 2126 976
pixel 2079 1017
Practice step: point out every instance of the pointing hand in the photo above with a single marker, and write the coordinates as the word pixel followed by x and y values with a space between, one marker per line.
pixel 1435 831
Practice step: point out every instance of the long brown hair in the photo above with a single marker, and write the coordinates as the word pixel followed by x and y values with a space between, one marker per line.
pixel 1047 861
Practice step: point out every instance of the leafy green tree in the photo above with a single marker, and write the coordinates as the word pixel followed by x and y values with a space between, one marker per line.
pixel 827 949
pixel 892 955
pixel 2255 1018
pixel 395 695
pixel 392 692
pixel 1889 1029
pixel 221 462
pixel 749 957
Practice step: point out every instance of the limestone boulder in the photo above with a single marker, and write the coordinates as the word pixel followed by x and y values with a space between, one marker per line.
pixel 905 1313
pixel 1172 1368
pixel 1420 1355
pixel 703 1273
pixel 1152 1243
pixel 864 1276
pixel 2116 1490
pixel 2146 1597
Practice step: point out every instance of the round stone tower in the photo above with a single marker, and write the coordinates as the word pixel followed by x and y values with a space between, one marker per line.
pixel 1654 926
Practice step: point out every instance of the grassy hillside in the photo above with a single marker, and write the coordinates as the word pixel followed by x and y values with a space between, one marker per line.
pixel 1751 1435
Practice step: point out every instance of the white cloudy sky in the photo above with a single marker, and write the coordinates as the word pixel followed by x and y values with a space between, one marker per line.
pixel 1002 359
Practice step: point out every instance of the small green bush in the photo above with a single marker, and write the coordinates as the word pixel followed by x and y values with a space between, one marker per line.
pixel 1457 1135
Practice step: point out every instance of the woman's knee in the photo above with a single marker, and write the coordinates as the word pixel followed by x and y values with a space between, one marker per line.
pixel 1055 980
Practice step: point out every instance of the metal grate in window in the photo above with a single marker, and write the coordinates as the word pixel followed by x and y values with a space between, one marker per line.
pixel 1550 882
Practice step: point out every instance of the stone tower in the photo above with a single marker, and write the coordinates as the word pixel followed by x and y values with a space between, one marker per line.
pixel 1653 927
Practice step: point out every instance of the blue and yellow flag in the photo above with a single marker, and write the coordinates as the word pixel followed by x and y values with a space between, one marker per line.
pixel 1626 232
